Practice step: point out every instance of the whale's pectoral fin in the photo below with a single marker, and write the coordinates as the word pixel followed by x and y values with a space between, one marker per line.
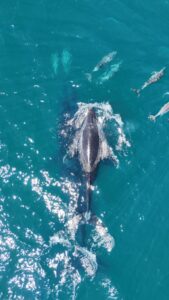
pixel 73 149
pixel 106 152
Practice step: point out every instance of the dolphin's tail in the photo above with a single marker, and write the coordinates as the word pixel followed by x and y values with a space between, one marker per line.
pixel 137 91
pixel 152 118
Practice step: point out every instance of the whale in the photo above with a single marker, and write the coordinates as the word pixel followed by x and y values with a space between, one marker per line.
pixel 89 146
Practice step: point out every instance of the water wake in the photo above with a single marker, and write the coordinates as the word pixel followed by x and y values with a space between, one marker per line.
pixel 100 236
pixel 69 261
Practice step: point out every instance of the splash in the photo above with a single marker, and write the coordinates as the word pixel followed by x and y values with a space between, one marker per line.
pixel 67 275
pixel 102 237
pixel 104 114
pixel 112 292
pixel 88 260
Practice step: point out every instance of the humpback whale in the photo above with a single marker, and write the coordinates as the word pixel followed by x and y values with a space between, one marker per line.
pixel 91 146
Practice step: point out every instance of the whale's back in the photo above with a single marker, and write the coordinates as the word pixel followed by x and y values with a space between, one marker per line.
pixel 89 143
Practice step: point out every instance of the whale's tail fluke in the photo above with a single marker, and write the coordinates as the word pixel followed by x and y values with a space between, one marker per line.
pixel 101 232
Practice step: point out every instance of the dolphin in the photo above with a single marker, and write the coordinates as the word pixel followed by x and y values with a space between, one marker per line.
pixel 164 109
pixel 104 61
pixel 153 78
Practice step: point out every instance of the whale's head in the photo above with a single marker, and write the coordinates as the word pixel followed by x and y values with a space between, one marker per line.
pixel 91 116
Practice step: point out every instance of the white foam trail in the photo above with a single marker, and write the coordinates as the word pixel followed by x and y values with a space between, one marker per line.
pixel 60 238
pixel 73 224
pixel 103 237
pixel 86 257
pixel 66 213
pixel 6 172
pixel 68 276
pixel 54 203
pixel 111 291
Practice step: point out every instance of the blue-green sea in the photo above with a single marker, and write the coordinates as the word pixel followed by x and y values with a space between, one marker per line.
pixel 48 51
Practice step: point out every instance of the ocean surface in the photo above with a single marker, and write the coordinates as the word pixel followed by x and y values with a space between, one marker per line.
pixel 48 51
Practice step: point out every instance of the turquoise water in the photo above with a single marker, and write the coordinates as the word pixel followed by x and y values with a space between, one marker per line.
pixel 46 49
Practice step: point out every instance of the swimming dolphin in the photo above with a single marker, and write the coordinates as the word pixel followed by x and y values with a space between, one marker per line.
pixel 162 111
pixel 154 78
pixel 105 60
